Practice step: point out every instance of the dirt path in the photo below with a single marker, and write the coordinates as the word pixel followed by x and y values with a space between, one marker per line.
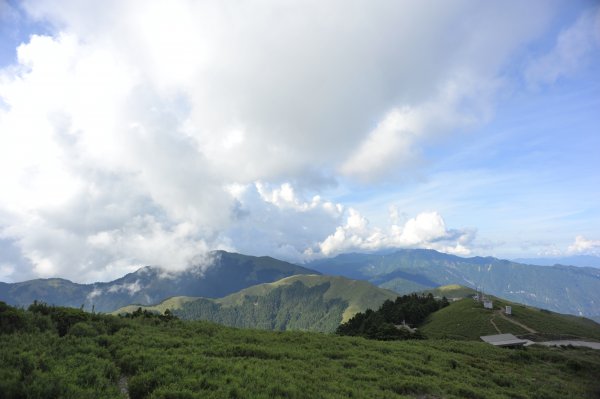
pixel 494 324
pixel 124 386
pixel 501 313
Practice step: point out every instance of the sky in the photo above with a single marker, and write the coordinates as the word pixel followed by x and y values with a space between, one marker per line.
pixel 148 132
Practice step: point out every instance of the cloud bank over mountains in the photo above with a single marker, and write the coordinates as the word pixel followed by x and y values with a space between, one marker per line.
pixel 150 132
pixel 583 245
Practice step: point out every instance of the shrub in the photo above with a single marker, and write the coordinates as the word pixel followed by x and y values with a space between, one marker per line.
pixel 11 319
pixel 83 329
pixel 142 385
pixel 381 324
pixel 574 365
pixel 172 393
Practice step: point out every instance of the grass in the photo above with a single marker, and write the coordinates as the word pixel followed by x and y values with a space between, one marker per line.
pixel 467 319
pixel 506 326
pixel 452 291
pixel 552 325
pixel 403 286
pixel 360 295
pixel 175 302
pixel 464 320
pixel 176 359
pixel 225 362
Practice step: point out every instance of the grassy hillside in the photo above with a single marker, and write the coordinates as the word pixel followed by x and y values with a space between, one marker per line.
pixel 564 289
pixel 452 291
pixel 302 302
pixel 101 356
pixel 175 302
pixel 467 319
pixel 402 286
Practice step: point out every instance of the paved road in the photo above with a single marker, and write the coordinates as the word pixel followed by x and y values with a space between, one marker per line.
pixel 588 344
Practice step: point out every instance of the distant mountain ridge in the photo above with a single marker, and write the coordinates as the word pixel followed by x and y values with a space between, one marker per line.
pixel 301 302
pixel 563 289
pixel 575 260
pixel 229 273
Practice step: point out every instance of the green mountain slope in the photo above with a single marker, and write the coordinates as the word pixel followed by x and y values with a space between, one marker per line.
pixel 452 291
pixel 467 319
pixel 564 289
pixel 301 302
pixel 100 355
pixel 228 273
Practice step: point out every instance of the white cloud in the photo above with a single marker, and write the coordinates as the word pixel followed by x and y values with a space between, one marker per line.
pixel 146 241
pixel 285 196
pixel 392 148
pixel 276 220
pixel 130 288
pixel 96 292
pixel 574 46
pixel 6 270
pixel 582 245
pixel 550 250
pixel 136 132
pixel 426 230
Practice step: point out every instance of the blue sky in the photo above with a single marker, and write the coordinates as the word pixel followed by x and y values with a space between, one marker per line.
pixel 136 133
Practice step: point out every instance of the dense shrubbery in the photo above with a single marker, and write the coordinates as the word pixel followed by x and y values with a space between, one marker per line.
pixel 148 315
pixel 57 352
pixel 387 322
pixel 157 357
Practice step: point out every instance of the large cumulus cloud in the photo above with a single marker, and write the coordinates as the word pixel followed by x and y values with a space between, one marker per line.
pixel 426 230
pixel 147 132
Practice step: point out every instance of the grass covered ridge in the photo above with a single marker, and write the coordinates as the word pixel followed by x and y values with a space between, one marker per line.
pixel 452 291
pixel 467 319
pixel 162 358
pixel 306 302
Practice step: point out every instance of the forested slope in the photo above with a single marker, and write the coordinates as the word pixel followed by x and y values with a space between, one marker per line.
pixel 302 302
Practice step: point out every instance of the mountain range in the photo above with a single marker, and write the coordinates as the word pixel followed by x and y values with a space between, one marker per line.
pixel 563 289
pixel 228 273
pixel 574 260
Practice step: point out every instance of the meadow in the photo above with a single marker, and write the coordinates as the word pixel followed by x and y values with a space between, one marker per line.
pixel 67 353
pixel 468 320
